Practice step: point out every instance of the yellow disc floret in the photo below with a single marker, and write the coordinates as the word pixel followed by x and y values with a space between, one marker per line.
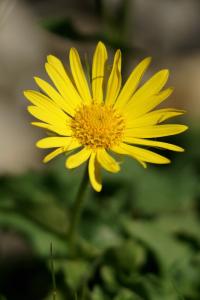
pixel 98 126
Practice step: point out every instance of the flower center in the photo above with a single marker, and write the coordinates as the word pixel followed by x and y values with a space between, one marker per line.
pixel 98 126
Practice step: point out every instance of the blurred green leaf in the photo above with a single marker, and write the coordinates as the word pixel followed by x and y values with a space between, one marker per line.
pixel 157 192
pixel 97 294
pixel 186 277
pixel 109 279
pixel 38 238
pixel 185 223
pixel 166 248
pixel 127 257
pixel 164 289
pixel 126 294
pixel 75 272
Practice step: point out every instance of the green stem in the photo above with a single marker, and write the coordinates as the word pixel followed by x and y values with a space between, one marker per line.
pixel 76 211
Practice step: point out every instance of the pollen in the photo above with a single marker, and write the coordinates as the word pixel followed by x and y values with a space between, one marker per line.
pixel 98 126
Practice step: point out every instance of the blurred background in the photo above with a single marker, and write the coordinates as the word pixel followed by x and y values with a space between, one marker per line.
pixel 141 235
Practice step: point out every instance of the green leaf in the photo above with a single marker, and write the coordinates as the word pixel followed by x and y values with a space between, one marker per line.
pixel 97 293
pixel 109 279
pixel 186 277
pixel 165 247
pixel 128 257
pixel 164 289
pixel 38 237
pixel 75 272
pixel 186 223
pixel 105 237
pixel 157 192
pixel 126 294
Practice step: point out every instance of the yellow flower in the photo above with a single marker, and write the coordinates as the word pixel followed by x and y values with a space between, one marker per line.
pixel 94 122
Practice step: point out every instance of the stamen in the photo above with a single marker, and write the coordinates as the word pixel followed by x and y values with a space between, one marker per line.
pixel 98 126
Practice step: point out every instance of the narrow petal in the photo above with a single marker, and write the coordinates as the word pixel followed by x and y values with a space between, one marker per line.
pixel 71 146
pixel 50 118
pixel 141 154
pixel 98 68
pixel 94 173
pixel 115 79
pixel 156 131
pixel 43 115
pixel 144 104
pixel 79 76
pixel 45 103
pixel 78 158
pixel 154 117
pixel 58 65
pixel 154 84
pixel 65 87
pixel 54 142
pixel 53 154
pixel 66 131
pixel 156 144
pixel 72 97
pixel 132 83
pixel 107 161
pixel 54 95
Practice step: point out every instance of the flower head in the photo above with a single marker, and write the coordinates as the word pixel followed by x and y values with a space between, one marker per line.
pixel 93 123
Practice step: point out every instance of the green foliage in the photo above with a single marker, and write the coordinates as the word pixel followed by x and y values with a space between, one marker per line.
pixel 139 238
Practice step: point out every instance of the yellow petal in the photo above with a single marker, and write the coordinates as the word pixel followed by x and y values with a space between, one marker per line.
pixel 156 131
pixel 107 161
pixel 45 103
pixel 51 119
pixel 43 115
pixel 53 154
pixel 79 76
pixel 94 173
pixel 156 144
pixel 143 104
pixel 58 65
pixel 141 154
pixel 114 82
pixel 75 99
pixel 54 142
pixel 154 117
pixel 154 84
pixel 132 83
pixel 65 87
pixel 78 158
pixel 98 67
pixel 54 95
pixel 66 131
